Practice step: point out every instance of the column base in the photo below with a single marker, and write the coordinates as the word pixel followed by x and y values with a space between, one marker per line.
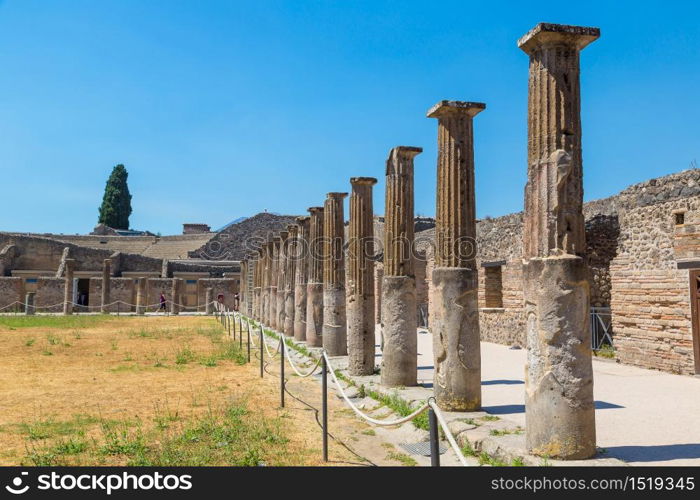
pixel 399 329
pixel 559 407
pixel 456 339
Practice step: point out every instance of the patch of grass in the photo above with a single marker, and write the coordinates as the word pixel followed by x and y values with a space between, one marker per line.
pixel 73 321
pixel 468 451
pixel 53 339
pixel 70 447
pixel 209 361
pixel 405 460
pixel 184 356
pixel 517 462
pixel 471 421
pixel 486 459
pixel 605 351
pixel 47 428
pixel 489 418
pixel 400 406
pixel 369 432
pixel 127 357
pixel 29 342
pixel 505 432
pixel 46 352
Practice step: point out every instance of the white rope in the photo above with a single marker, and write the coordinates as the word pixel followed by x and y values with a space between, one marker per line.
pixel 267 348
pixel 448 434
pixel 10 305
pixel 367 417
pixel 291 363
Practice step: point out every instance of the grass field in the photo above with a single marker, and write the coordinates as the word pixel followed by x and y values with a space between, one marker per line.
pixel 109 390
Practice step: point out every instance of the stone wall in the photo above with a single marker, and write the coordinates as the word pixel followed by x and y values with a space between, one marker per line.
pixel 50 294
pixel 11 290
pixel 651 311
pixel 226 287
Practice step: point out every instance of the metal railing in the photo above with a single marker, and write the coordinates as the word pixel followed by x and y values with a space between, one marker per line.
pixel 601 327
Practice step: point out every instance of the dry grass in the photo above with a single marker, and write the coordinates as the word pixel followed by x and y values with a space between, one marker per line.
pixel 146 390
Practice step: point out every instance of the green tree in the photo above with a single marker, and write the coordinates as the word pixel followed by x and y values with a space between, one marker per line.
pixel 116 203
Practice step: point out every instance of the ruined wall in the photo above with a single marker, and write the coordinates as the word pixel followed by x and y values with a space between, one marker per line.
pixel 651 310
pixel 227 287
pixel 50 294
pixel 121 289
pixel 11 290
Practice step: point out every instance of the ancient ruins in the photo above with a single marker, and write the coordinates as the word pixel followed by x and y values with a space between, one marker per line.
pixel 561 279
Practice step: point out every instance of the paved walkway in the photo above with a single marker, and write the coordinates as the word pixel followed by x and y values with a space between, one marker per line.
pixel 643 417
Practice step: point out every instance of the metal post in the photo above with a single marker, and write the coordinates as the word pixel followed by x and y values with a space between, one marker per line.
pixel 248 329
pixel 262 349
pixel 324 406
pixel 240 331
pixel 434 438
pixel 282 370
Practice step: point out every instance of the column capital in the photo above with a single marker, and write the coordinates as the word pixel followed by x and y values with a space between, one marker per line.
pixel 292 229
pixel 302 218
pixel 363 181
pixel 446 108
pixel 546 34
pixel 335 195
pixel 312 210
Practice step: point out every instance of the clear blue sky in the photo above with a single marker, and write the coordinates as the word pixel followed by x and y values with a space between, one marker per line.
pixel 221 109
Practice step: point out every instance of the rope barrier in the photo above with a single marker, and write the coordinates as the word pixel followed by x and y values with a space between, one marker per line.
pixel 10 305
pixel 291 363
pixel 382 423
pixel 448 434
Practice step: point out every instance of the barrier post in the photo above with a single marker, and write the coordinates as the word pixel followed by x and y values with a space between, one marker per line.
pixel 262 349
pixel 240 332
pixel 248 330
pixel 324 406
pixel 434 438
pixel 281 370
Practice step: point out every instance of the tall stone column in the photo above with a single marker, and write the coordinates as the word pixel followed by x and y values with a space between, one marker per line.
pixel 141 297
pixel 456 339
pixel 257 286
pixel 334 320
pixel 243 289
pixel 266 267
pixel 281 273
pixel 301 278
pixel 106 284
pixel 274 266
pixel 176 296
pixel 559 409
pixel 68 287
pixel 289 277
pixel 399 313
pixel 314 287
pixel 360 289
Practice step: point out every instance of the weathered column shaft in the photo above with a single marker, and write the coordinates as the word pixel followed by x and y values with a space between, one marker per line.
pixel 559 408
pixel 334 320
pixel 399 312
pixel 300 278
pixel 455 321
pixel 360 279
pixel 281 273
pixel 274 266
pixel 141 298
pixel 106 284
pixel 314 287
pixel 176 296
pixel 68 287
pixel 30 303
pixel 289 277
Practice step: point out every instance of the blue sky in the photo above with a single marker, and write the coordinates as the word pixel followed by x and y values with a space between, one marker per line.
pixel 221 109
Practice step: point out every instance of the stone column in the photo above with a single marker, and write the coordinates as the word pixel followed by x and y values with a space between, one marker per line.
pixel 399 313
pixel 360 289
pixel 559 409
pixel 334 321
pixel 68 288
pixel 257 286
pixel 243 289
pixel 281 273
pixel 265 282
pixel 300 279
pixel 29 304
pixel 314 287
pixel 141 297
pixel 289 277
pixel 106 284
pixel 208 299
pixel 274 266
pixel 176 296
pixel 455 283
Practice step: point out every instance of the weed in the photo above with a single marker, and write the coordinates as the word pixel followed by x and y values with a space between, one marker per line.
pixel 403 458
pixel 29 342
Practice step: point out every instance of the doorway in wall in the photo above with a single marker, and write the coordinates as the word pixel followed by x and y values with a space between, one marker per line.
pixel 695 309
pixel 83 292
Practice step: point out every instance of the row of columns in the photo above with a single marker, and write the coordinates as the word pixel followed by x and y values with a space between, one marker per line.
pixel 305 265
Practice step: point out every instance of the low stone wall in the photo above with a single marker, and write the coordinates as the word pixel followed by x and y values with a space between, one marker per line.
pixel 503 326
pixel 11 290
pixel 50 294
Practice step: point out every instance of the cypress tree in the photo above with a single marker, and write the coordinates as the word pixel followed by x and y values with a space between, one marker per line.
pixel 116 203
